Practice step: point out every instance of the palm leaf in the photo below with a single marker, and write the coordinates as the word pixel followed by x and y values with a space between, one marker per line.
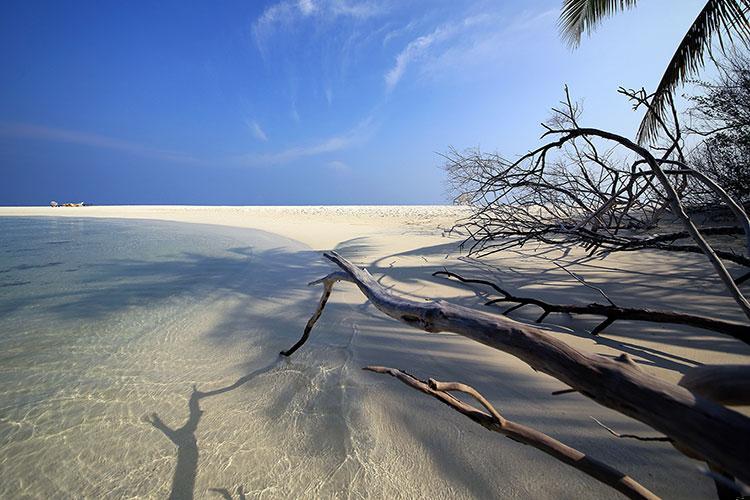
pixel 718 17
pixel 583 16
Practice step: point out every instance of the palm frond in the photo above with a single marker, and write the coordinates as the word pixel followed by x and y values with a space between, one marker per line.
pixel 718 18
pixel 582 16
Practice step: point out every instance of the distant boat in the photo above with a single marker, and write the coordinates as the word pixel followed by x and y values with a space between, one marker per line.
pixel 79 204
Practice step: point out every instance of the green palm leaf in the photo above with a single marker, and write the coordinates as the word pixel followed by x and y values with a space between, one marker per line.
pixel 718 17
pixel 582 16
pixel 727 17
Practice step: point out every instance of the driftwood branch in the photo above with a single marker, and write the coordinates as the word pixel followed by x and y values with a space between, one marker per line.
pixel 610 312
pixel 699 427
pixel 491 419
pixel 587 284
pixel 328 283
pixel 631 436
pixel 681 235
pixel 725 384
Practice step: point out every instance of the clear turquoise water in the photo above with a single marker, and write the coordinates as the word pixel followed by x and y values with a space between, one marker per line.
pixel 106 322
pixel 139 359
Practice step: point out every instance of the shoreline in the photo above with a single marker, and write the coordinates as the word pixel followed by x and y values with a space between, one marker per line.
pixel 249 300
pixel 332 223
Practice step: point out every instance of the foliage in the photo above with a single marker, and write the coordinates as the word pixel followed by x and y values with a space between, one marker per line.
pixel 721 114
pixel 718 18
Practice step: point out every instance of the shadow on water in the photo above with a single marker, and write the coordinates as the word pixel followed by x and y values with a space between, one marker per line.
pixel 224 493
pixel 273 273
pixel 186 470
pixel 453 464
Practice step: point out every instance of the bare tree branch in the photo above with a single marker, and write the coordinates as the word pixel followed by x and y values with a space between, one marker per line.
pixel 567 192
pixel 586 284
pixel 631 436
pixel 698 426
pixel 493 421
pixel 610 313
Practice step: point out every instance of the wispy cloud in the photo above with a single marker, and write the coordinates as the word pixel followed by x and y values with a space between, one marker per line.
pixel 288 12
pixel 420 46
pixel 528 20
pixel 489 46
pixel 42 133
pixel 457 44
pixel 306 6
pixel 357 135
pixel 412 51
pixel 257 130
pixel 398 32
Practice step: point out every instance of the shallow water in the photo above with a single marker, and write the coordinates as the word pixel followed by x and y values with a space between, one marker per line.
pixel 105 323
pixel 139 359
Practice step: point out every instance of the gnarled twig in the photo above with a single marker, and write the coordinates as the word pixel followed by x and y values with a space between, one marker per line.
pixel 328 282
pixel 493 421
pixel 698 426
pixel 631 436
pixel 611 313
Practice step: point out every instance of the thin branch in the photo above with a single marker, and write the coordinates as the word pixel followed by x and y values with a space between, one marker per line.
pixel 698 426
pixel 328 283
pixel 632 436
pixel 493 421
pixel 611 313
pixel 586 284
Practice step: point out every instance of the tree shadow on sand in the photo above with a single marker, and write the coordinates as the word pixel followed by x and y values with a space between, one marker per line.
pixel 186 470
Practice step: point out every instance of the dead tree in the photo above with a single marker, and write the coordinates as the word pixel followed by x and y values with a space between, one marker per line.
pixel 590 187
pixel 698 427
pixel 610 312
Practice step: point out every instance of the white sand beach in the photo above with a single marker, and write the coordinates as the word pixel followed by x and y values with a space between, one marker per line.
pixel 316 425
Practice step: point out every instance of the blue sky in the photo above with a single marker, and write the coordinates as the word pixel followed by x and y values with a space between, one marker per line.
pixel 296 102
